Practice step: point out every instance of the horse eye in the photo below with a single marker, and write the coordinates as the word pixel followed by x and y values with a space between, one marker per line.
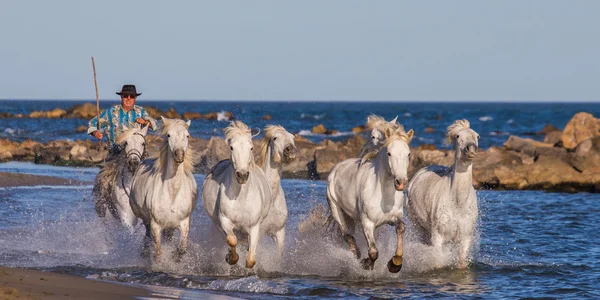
pixel 231 148
pixel 409 155
pixel 274 138
pixel 251 148
pixel 373 137
pixel 187 136
pixel 168 135
pixel 389 154
pixel 125 144
pixel 478 136
pixel 457 136
pixel 144 144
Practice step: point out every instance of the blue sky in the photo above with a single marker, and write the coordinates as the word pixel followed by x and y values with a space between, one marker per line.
pixel 302 50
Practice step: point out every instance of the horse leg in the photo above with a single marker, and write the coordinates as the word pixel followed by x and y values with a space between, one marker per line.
pixel 147 241
pixel 279 238
pixel 369 230
pixel 465 245
pixel 184 229
pixel 341 218
pixel 395 264
pixel 437 243
pixel 253 237
pixel 156 234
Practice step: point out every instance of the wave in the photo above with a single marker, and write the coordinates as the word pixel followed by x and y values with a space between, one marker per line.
pixel 250 284
pixel 407 114
pixel 510 121
pixel 309 116
pixel 310 133
pixel 52 187
pixel 485 118
pixel 222 117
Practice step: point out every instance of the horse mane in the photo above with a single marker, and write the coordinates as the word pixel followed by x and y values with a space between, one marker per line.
pixel 397 133
pixel 453 130
pixel 126 134
pixel 161 158
pixel 375 121
pixel 264 146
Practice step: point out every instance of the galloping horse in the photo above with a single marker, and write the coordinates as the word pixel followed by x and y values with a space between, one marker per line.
pixel 164 191
pixel 277 148
pixel 366 190
pixel 236 193
pixel 112 185
pixel 441 200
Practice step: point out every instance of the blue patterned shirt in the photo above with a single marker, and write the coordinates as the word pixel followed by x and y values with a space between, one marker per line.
pixel 112 120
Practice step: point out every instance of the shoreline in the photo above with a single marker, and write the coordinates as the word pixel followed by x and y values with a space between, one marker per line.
pixel 20 283
pixel 12 179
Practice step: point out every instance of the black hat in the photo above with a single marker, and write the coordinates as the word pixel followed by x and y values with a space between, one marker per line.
pixel 128 89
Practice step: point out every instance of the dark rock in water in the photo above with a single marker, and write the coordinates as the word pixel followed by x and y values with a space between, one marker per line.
pixel 426 147
pixel 548 129
pixel 581 127
pixel 359 129
pixel 429 130
pixel 527 146
pixel 553 138
pixel 53 114
pixel 5 115
pixel 154 112
pixel 192 116
pixel 211 116
pixel 81 128
pixel 172 114
pixel 267 118
pixel 83 111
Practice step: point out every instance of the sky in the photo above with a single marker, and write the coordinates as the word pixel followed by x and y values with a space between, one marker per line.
pixel 512 50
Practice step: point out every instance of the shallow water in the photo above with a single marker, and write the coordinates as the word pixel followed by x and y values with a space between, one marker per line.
pixel 529 244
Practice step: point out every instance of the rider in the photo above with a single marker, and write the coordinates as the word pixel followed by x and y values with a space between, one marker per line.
pixel 126 113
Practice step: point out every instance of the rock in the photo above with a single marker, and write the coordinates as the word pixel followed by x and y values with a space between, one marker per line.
pixel 319 129
pixel 359 129
pixel 171 114
pixel 5 155
pixel 426 147
pixel 266 117
pixel 580 128
pixel 331 132
pixel 37 114
pixel 586 156
pixel 229 116
pixel 78 152
pixel 8 145
pixel 81 128
pixel 439 117
pixel 153 112
pixel 84 111
pixel 211 116
pixel 5 115
pixel 301 139
pixel 547 129
pixel 525 145
pixel 192 116
pixel 429 129
pixel 553 138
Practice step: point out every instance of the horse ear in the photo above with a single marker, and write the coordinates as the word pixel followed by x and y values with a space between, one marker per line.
pixel 189 122
pixel 257 130
pixel 124 127
pixel 145 130
pixel 394 120
pixel 410 134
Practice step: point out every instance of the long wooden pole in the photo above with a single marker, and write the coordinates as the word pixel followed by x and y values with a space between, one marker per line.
pixel 97 97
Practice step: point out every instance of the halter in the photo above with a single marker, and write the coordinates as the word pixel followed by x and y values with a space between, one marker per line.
pixel 132 152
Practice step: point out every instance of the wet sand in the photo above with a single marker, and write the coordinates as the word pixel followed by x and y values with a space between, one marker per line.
pixel 18 179
pixel 16 283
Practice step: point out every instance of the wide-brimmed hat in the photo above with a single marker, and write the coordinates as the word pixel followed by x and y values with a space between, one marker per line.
pixel 128 89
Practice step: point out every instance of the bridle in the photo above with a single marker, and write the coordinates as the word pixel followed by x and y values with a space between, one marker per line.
pixel 130 153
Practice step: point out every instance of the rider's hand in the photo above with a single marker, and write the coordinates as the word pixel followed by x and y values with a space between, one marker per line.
pixel 141 121
pixel 97 134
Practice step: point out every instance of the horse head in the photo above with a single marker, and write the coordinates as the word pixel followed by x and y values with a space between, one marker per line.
pixel 239 140
pixel 176 133
pixel 133 141
pixel 281 143
pixel 464 139
pixel 398 155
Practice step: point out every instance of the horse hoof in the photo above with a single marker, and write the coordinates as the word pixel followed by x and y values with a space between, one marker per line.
pixel 250 264
pixel 392 267
pixel 178 254
pixel 367 264
pixel 231 259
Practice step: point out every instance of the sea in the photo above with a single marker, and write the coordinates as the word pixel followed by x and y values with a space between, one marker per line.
pixel 528 244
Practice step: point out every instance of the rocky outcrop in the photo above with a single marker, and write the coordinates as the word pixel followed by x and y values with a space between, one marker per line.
pixel 581 127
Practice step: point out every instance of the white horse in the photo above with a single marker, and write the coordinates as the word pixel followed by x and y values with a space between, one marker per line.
pixel 366 191
pixel 442 201
pixel 112 185
pixel 164 191
pixel 236 193
pixel 276 149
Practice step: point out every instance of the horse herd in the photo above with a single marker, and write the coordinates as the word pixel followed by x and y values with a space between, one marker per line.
pixel 242 196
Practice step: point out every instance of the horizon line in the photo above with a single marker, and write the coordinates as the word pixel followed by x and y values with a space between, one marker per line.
pixel 308 100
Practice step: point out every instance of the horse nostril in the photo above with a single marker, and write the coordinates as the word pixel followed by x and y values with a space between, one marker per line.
pixel 398 181
pixel 238 174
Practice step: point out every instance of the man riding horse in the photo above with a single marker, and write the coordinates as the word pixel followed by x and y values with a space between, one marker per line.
pixel 113 119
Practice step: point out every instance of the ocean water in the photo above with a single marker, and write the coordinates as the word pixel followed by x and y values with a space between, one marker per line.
pixel 493 121
pixel 529 244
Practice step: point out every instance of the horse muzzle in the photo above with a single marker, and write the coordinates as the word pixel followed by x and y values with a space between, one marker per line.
pixel 400 184
pixel 133 164
pixel 179 155
pixel 289 154
pixel 470 151
pixel 242 177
